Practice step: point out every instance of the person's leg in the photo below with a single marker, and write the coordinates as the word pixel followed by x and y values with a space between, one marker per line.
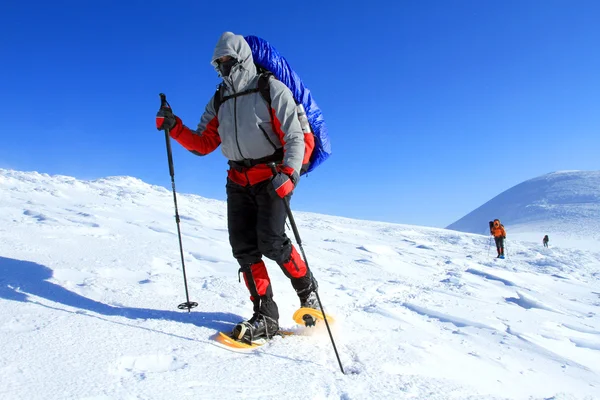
pixel 241 224
pixel 265 321
pixel 258 283
pixel 241 220
pixel 274 243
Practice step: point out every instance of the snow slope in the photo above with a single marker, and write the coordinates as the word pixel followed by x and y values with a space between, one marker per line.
pixel 564 205
pixel 90 280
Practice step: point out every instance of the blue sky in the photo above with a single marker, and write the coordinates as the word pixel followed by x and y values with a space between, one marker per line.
pixel 433 107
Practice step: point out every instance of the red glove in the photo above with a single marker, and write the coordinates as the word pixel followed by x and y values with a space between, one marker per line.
pixel 285 181
pixel 165 120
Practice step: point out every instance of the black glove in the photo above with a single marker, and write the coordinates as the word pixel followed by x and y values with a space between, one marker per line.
pixel 165 119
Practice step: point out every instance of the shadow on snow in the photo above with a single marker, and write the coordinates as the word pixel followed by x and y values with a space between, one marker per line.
pixel 21 279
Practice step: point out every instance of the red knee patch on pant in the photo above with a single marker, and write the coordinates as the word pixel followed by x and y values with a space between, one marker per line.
pixel 295 266
pixel 260 278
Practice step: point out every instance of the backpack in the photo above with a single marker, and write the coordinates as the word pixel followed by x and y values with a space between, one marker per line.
pixel 269 64
pixel 492 226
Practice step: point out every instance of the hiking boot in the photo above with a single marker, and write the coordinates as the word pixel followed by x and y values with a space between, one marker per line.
pixel 259 327
pixel 310 301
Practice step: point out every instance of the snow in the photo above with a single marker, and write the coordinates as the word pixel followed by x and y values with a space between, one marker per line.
pixel 564 205
pixel 91 276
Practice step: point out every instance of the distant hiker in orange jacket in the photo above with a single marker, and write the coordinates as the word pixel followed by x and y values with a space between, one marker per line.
pixel 497 230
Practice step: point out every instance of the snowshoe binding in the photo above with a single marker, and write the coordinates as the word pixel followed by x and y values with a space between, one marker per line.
pixel 257 329
pixel 312 302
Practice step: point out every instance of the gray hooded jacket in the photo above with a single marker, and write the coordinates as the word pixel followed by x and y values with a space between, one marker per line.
pixel 244 122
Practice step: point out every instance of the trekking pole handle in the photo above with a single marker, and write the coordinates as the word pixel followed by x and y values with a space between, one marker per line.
pixel 165 104
pixel 163 101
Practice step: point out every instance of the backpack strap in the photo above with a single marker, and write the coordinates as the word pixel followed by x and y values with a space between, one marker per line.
pixel 218 98
pixel 265 91
pixel 262 87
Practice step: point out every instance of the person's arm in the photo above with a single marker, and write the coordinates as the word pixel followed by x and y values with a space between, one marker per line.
pixel 205 138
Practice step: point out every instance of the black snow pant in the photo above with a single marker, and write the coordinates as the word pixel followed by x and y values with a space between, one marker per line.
pixel 499 244
pixel 256 221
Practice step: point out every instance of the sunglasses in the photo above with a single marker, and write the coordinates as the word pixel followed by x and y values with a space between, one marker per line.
pixel 225 67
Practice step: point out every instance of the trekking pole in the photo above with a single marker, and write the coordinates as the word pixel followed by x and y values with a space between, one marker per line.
pixel 167 108
pixel 299 241
pixel 491 224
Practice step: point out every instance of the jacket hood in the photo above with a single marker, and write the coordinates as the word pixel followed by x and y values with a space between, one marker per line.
pixel 230 44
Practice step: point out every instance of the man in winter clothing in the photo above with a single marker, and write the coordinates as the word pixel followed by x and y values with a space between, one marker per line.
pixel 251 135
pixel 545 241
pixel 499 234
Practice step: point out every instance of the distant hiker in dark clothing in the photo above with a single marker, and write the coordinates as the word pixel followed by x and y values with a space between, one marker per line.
pixel 252 134
pixel 545 241
pixel 499 234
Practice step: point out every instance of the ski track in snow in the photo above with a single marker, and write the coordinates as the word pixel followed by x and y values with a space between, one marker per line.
pixel 90 280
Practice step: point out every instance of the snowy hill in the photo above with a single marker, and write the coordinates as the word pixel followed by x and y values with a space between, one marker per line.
pixel 90 280
pixel 564 205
